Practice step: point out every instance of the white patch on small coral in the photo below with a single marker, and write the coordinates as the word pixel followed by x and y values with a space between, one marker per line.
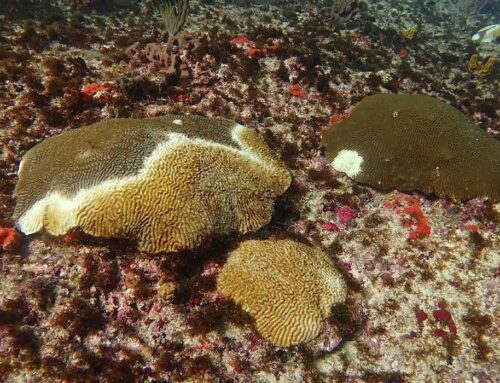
pixel 20 169
pixel 177 122
pixel 348 162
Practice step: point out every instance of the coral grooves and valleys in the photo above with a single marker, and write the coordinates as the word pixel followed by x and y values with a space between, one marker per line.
pixel 409 283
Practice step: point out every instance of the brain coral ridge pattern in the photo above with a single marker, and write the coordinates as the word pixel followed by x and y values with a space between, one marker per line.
pixel 167 182
pixel 415 142
pixel 286 286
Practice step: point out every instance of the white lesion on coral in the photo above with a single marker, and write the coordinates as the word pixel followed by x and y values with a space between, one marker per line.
pixel 49 210
pixel 249 152
pixel 58 214
pixel 21 166
pixel 177 121
pixel 349 162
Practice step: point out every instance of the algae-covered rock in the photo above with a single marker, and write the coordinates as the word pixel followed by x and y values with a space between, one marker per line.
pixel 167 182
pixel 287 287
pixel 415 142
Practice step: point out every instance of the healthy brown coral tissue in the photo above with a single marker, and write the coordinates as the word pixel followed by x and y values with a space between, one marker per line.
pixel 415 142
pixel 286 286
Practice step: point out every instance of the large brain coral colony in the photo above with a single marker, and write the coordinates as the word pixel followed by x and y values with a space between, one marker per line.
pixel 415 142
pixel 167 182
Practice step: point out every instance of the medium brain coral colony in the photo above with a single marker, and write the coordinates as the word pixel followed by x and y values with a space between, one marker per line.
pixel 415 142
pixel 288 287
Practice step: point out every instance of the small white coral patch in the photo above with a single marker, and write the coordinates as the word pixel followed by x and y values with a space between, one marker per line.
pixel 348 162
pixel 21 166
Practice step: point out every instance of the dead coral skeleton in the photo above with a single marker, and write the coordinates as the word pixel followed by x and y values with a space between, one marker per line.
pixel 170 55
pixel 342 10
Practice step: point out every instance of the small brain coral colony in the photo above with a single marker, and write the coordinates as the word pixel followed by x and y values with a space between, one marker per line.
pixel 415 142
pixel 168 182
pixel 286 286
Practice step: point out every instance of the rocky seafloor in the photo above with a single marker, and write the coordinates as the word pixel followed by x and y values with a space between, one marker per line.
pixel 423 272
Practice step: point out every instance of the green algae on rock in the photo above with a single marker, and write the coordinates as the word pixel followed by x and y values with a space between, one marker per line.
pixel 168 182
pixel 415 142
pixel 288 287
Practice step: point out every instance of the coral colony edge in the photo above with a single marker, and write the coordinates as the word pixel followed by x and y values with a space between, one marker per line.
pixel 249 191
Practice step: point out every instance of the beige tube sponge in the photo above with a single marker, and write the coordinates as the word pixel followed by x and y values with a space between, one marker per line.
pixel 168 182
pixel 288 288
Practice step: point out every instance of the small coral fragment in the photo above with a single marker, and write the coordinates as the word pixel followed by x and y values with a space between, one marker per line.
pixel 287 287
pixel 166 290
pixel 479 69
pixel 169 183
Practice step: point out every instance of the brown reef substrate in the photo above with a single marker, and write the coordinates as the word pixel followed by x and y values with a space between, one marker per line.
pixel 423 305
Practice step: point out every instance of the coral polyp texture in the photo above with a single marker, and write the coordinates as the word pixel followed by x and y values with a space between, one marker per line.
pixel 286 286
pixel 168 182
pixel 415 142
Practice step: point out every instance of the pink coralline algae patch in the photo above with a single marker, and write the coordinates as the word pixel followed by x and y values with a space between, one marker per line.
pixel 421 318
pixel 360 39
pixel 250 47
pixel 242 42
pixel 10 239
pixel 339 117
pixel 330 226
pixel 476 212
pixel 345 214
pixel 91 90
pixel 254 52
pixel 444 317
pixel 472 228
pixel 296 91
pixel 403 53
pixel 273 49
pixel 412 215
pixel 336 118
